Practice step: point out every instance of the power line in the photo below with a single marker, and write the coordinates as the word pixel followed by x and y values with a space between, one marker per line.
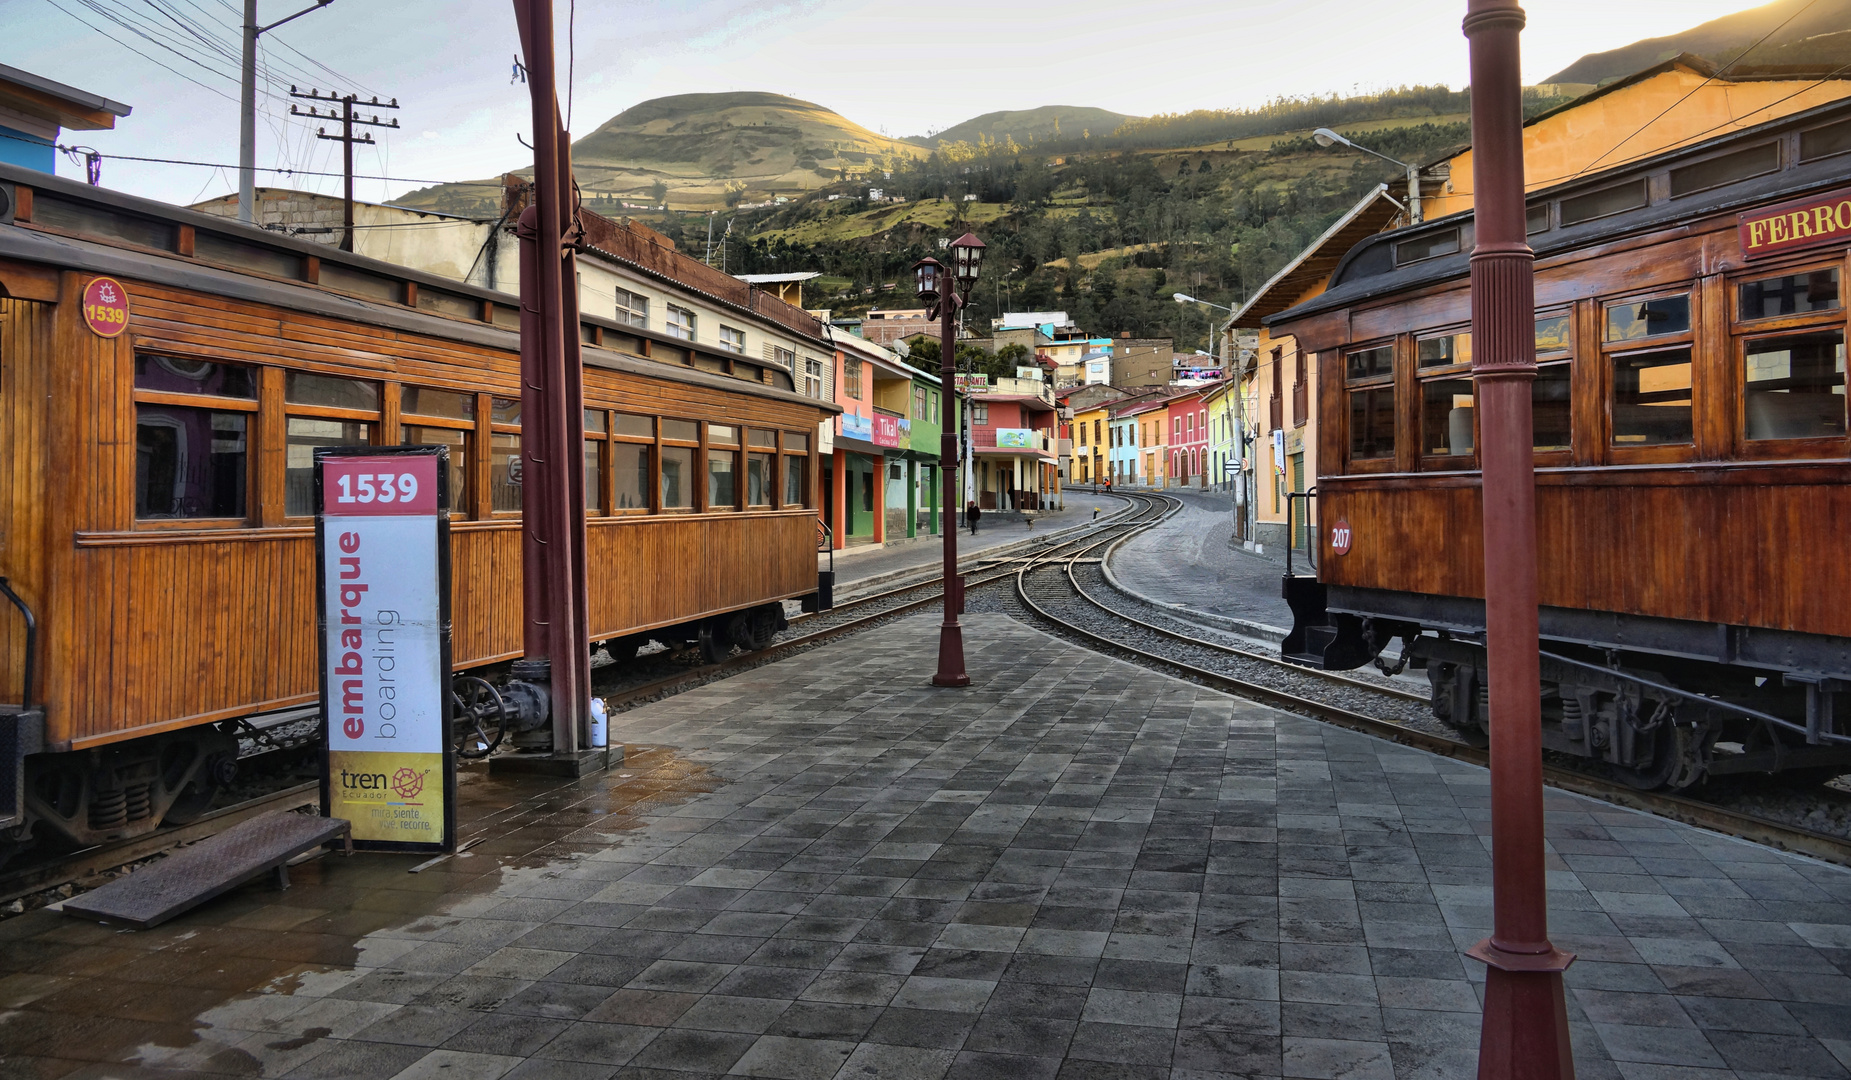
pixel 223 165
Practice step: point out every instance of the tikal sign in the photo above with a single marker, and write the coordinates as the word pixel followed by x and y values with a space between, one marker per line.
pixel 1814 222
pixel 383 546
pixel 106 307
pixel 1341 537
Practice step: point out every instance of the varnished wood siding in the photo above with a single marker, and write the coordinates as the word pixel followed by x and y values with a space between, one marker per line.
pixel 25 333
pixel 145 629
pixel 1747 545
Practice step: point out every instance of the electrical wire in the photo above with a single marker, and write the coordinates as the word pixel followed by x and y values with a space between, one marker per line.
pixel 260 168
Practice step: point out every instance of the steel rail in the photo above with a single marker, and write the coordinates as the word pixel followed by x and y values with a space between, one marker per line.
pixel 1679 808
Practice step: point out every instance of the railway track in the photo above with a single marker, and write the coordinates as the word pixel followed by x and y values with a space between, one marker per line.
pixel 1055 588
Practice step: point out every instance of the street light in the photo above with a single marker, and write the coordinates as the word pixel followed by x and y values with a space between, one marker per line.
pixel 944 290
pixel 1185 298
pixel 1327 137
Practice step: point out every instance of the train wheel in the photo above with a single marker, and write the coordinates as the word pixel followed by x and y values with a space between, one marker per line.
pixel 714 644
pixel 1677 761
pixel 762 627
pixel 478 715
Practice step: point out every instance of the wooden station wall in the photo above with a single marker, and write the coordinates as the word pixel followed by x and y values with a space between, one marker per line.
pixel 148 626
pixel 1719 531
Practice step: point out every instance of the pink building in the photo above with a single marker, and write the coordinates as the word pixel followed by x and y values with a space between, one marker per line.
pixel 1188 416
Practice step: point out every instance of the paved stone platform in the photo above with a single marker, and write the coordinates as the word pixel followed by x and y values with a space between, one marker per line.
pixel 1187 560
pixel 1076 868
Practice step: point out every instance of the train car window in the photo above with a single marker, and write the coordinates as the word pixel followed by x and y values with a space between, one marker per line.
pixel 594 420
pixel 1635 320
pixel 1727 169
pixel 304 435
pixel 304 388
pixel 759 474
pixel 722 435
pixel 1552 334
pixel 1367 363
pixel 642 427
pixel 1536 219
pixel 1446 417
pixel 458 440
pixel 92 220
pixel 360 283
pixel 217 248
pixel 190 462
pixel 1794 386
pixel 722 479
pixel 504 410
pixel 175 375
pixel 1444 351
pixel 630 466
pixel 677 477
pixel 1651 398
pixel 684 430
pixel 1431 246
pixel 1606 201
pixel 796 469
pixel 1372 423
pixel 762 439
pixel 1549 405
pixel 594 476
pixel 1825 141
pixel 1789 294
pixel 447 303
pixel 504 471
pixel 448 404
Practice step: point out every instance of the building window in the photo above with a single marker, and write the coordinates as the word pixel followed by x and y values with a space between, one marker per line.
pixel 632 309
pixel 851 378
pixel 680 323
pixel 812 378
pixel 920 402
pixel 979 413
pixel 731 340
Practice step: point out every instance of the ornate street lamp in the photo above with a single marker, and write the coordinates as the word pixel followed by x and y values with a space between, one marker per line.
pixel 945 290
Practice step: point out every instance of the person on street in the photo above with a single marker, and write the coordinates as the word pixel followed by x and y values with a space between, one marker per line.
pixel 971 514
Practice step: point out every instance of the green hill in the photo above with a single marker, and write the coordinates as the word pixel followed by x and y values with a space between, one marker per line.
pixel 701 147
pixel 1030 125
pixel 1806 35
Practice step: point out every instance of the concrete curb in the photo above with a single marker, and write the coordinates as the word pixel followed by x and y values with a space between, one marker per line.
pixel 965 562
pixel 1225 622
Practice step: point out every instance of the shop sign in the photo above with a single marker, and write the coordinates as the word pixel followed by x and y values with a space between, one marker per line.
pixel 1017 438
pixel 969 382
pixel 1814 222
pixel 106 307
pixel 857 427
pixel 886 430
pixel 382 550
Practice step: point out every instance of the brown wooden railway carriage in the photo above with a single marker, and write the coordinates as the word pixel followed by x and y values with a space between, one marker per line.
pixel 1693 466
pixel 155 486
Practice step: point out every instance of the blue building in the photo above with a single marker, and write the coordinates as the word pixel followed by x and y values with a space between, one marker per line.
pixel 34 111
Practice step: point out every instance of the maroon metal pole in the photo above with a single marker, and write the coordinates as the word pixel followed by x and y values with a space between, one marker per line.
pixel 551 399
pixel 950 634
pixel 1524 1035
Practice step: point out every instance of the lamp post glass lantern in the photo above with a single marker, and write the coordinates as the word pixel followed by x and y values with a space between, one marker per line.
pixel 943 298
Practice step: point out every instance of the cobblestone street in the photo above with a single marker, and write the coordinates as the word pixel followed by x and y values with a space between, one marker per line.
pixel 1075 868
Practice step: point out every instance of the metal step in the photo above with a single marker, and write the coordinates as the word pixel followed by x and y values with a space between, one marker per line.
pixel 189 877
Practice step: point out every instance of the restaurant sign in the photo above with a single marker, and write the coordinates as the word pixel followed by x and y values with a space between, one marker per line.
pixel 1016 438
pixel 886 430
pixel 1814 222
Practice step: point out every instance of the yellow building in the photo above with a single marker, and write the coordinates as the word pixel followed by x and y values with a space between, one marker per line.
pixel 1675 103
pixel 1092 454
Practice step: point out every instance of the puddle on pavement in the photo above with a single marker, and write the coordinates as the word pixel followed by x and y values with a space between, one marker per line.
pixel 250 983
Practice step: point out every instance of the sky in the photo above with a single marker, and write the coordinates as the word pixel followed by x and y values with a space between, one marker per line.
pixel 902 69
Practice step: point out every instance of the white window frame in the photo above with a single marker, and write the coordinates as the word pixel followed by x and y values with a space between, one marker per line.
pixel 632 308
pixel 812 377
pixel 676 328
pixel 732 339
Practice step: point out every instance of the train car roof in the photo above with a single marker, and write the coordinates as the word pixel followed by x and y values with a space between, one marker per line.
pixel 66 252
pixel 1369 270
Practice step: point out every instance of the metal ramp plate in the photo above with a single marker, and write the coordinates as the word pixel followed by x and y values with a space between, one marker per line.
pixel 184 880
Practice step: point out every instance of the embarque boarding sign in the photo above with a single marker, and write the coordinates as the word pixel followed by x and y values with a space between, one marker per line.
pixel 382 546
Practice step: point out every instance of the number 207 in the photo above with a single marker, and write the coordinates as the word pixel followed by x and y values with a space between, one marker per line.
pixel 376 487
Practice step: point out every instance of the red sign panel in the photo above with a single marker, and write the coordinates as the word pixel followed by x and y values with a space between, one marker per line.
pixel 886 430
pixel 1814 222
pixel 376 486
pixel 106 307
pixel 1341 537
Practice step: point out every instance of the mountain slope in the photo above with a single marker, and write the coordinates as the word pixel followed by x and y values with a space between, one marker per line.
pixel 1047 122
pixel 700 146
pixel 1816 38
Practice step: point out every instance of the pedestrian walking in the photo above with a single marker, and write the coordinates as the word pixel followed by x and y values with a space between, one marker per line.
pixel 971 514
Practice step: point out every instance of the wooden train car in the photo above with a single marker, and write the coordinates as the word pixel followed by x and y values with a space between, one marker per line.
pixel 156 485
pixel 1693 468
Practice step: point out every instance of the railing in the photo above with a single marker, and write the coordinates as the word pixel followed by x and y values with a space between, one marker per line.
pixel 1291 531
pixel 32 640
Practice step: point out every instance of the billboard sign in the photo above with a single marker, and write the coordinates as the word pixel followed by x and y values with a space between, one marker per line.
pixel 855 426
pixel 886 430
pixel 1017 438
pixel 968 382
pixel 382 552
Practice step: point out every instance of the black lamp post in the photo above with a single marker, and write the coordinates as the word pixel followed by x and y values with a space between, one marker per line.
pixel 945 290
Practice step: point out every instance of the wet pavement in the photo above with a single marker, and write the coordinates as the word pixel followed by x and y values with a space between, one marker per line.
pixel 824 868
pixel 1188 560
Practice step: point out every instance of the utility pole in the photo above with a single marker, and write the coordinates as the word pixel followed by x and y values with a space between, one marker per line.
pixel 247 107
pixel 346 138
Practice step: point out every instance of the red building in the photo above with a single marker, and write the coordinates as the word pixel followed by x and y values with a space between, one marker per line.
pixel 1014 451
pixel 1188 416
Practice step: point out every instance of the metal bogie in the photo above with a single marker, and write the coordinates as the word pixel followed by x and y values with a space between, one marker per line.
pixel 129 789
